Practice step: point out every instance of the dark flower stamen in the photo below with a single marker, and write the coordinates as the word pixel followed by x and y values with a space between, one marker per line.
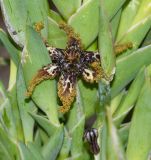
pixel 69 64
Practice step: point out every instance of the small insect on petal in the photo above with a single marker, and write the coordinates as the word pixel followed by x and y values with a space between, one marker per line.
pixel 91 136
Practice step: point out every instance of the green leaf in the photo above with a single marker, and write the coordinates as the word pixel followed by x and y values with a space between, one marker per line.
pixel 44 137
pixel 106 44
pixel 104 95
pixel 115 24
pixel 112 6
pixel 25 153
pixel 77 139
pixel 131 97
pixel 12 76
pixel 55 16
pixel 15 16
pixel 19 13
pixel 13 52
pixel 139 143
pixel 124 133
pixel 115 149
pixel 85 21
pixel 147 40
pixel 6 116
pixel 53 146
pixel 102 141
pixel 24 107
pixel 37 12
pixel 35 151
pixel 66 146
pixel 67 7
pixel 93 46
pixel 75 125
pixel 76 112
pixel 45 124
pixel 139 27
pixel 128 14
pixel 56 36
pixel 3 96
pixel 116 102
pixel 35 56
pixel 89 98
pixel 19 136
pixel 8 150
pixel 124 74
pixel 37 139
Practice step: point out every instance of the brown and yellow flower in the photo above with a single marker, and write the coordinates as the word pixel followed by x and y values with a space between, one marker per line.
pixel 69 64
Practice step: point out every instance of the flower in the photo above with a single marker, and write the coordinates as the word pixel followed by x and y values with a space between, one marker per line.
pixel 69 64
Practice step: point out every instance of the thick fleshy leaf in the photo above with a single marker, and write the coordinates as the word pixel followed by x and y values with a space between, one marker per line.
pixel 53 146
pixel 89 97
pixel 139 143
pixel 106 43
pixel 44 137
pixel 112 6
pixel 76 112
pixel 93 46
pixel 8 150
pixel 75 126
pixel 139 27
pixel 12 95
pixel 66 146
pixel 55 16
pixel 128 14
pixel 35 56
pixel 37 139
pixel 114 147
pixel 77 139
pixel 56 36
pixel 15 16
pixel 25 153
pixel 13 52
pixel 124 133
pixel 67 7
pixel 116 101
pixel 147 39
pixel 124 74
pixel 130 98
pixel 102 141
pixel 19 136
pixel 12 76
pixel 24 107
pixel 115 24
pixel 35 151
pixel 19 13
pixel 85 21
pixel 6 114
pixel 104 95
pixel 37 11
pixel 45 124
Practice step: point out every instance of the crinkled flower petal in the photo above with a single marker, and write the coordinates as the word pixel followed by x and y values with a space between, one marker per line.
pixel 91 57
pixel 47 72
pixel 66 91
